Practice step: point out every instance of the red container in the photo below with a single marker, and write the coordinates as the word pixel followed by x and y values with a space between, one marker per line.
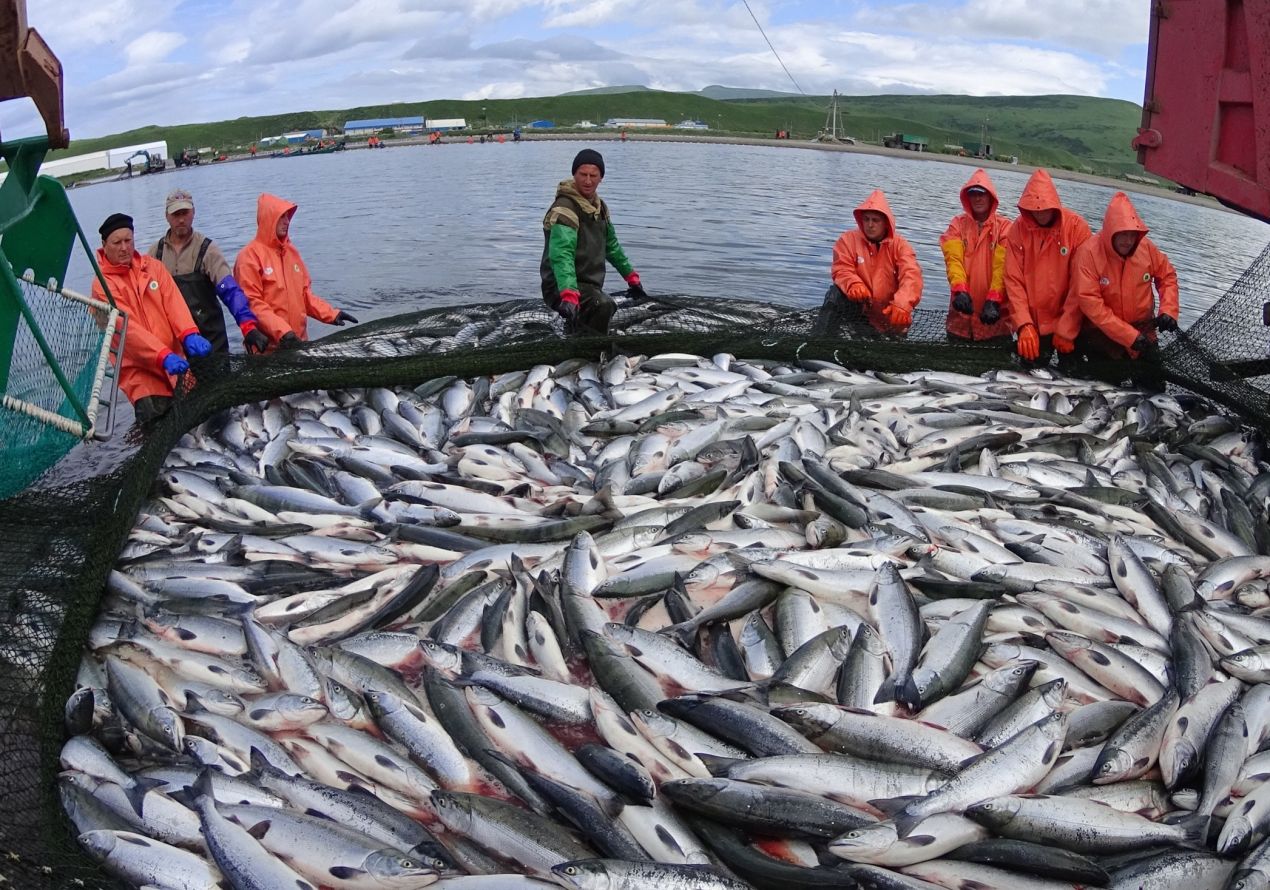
pixel 1206 114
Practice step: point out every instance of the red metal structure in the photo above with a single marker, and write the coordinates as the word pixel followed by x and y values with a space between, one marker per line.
pixel 1206 112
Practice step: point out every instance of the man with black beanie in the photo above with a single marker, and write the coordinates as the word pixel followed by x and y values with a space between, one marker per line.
pixel 578 240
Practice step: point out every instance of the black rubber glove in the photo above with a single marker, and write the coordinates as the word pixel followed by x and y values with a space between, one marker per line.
pixel 636 293
pixel 1165 322
pixel 343 317
pixel 1142 344
pixel 568 311
pixel 256 341
pixel 288 340
pixel 962 303
pixel 991 312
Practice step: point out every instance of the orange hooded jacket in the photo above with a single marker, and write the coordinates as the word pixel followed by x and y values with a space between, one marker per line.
pixel 158 320
pixel 275 279
pixel 888 269
pixel 1038 262
pixel 974 258
pixel 1115 292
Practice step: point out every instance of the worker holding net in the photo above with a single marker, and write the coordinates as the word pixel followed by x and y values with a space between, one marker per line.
pixel 161 330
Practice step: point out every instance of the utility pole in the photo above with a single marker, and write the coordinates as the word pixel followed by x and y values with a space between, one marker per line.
pixel 983 138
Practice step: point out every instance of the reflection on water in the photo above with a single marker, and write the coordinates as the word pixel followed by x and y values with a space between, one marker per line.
pixel 390 231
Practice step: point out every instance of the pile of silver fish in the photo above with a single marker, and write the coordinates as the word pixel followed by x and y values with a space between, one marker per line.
pixel 530 321
pixel 689 623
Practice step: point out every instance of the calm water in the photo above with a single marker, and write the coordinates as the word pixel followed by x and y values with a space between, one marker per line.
pixel 389 231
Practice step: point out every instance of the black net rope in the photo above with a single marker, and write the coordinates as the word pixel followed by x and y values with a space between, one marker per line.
pixel 60 538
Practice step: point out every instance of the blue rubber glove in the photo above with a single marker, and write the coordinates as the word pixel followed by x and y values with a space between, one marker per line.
pixel 196 345
pixel 174 364
pixel 235 300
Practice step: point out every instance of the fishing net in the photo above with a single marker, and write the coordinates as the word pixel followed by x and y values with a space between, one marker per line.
pixel 61 537
pixel 55 372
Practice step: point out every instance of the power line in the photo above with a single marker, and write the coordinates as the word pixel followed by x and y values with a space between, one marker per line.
pixel 772 48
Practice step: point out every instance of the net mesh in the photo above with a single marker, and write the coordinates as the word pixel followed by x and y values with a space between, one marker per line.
pixel 60 537
pixel 73 337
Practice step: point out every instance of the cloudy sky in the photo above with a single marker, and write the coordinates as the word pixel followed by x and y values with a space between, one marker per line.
pixel 129 63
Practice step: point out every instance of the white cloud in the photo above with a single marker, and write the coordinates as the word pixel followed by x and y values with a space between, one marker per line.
pixel 1095 26
pixel 152 47
pixel 69 25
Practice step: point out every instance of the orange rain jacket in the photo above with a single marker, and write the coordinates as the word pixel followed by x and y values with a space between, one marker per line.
pixel 275 279
pixel 974 258
pixel 158 319
pixel 1038 262
pixel 888 269
pixel 1115 292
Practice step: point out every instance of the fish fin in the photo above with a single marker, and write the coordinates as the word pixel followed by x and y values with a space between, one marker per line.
pixel 886 692
pixel 137 793
pixel 1195 830
pixel 345 872
pixel 905 822
pixel 718 766
pixel 193 704
pixel 260 829
pixel 893 806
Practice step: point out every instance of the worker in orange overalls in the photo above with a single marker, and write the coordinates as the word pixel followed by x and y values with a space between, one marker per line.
pixel 1040 245
pixel 875 273
pixel 974 259
pixel 1115 277
pixel 160 327
pixel 273 275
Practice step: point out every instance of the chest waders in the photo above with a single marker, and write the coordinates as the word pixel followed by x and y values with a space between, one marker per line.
pixel 200 296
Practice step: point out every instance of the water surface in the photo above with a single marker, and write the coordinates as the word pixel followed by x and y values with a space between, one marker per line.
pixel 409 227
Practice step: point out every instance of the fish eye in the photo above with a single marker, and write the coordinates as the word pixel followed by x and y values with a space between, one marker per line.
pixel 406 863
pixel 571 870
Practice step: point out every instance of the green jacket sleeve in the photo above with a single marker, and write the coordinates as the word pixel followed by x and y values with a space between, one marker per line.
pixel 613 252
pixel 562 247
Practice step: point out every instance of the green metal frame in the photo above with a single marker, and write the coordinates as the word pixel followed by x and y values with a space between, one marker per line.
pixel 38 231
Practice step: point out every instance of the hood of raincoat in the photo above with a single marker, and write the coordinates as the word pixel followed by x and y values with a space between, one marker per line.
pixel 981 179
pixel 269 209
pixel 589 206
pixel 877 203
pixel 1040 193
pixel 1121 216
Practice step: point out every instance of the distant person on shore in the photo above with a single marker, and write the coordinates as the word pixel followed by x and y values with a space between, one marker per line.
pixel 875 273
pixel 277 282
pixel 161 331
pixel 974 260
pixel 578 240
pixel 204 278
pixel 1040 245
pixel 1115 277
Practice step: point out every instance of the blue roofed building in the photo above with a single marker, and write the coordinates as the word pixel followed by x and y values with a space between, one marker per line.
pixel 374 125
pixel 542 125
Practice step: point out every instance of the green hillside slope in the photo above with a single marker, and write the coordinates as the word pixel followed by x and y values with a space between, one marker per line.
pixel 1073 132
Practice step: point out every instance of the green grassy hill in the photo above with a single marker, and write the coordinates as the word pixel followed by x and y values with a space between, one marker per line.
pixel 1073 132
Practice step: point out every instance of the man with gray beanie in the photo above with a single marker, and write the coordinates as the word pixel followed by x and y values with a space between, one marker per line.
pixel 204 277
pixel 578 240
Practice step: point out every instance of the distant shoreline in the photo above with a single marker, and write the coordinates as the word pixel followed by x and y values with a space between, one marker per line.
pixel 719 139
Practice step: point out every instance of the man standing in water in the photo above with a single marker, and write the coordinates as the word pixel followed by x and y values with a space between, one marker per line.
pixel 200 270
pixel 161 331
pixel 1115 277
pixel 276 280
pixel 578 240
pixel 1040 246
pixel 974 258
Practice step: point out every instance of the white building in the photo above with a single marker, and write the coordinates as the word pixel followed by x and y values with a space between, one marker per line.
pixel 585 125
pixel 641 123
pixel 692 125
pixel 446 123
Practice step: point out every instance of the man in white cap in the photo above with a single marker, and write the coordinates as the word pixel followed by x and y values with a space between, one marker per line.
pixel 204 277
